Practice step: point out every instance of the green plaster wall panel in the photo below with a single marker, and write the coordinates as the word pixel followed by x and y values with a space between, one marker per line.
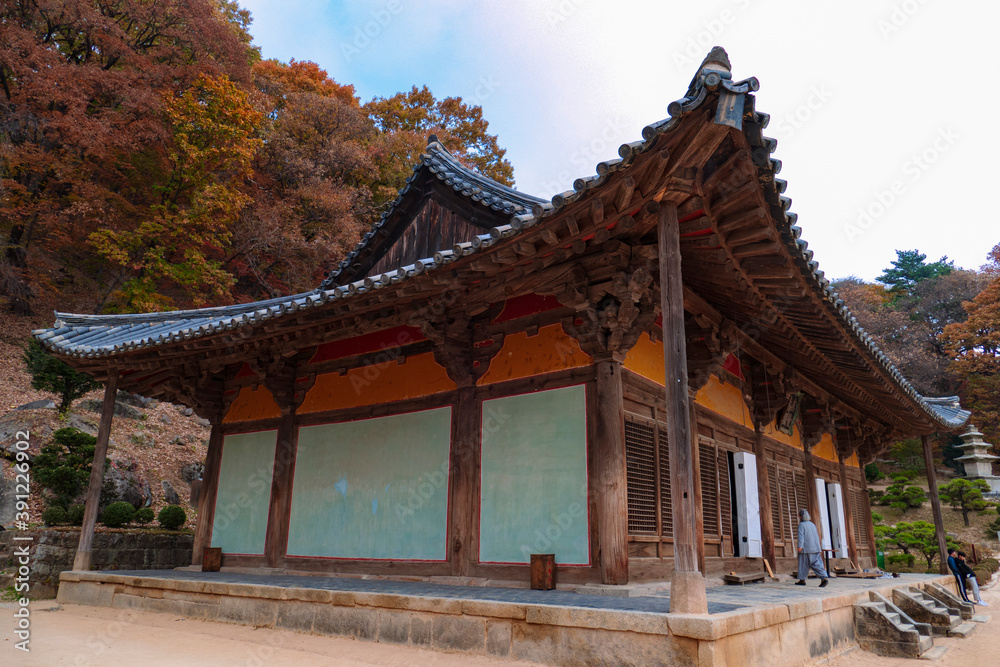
pixel 373 488
pixel 534 477
pixel 244 494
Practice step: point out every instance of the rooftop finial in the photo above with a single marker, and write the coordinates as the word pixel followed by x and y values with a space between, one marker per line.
pixel 433 139
pixel 718 60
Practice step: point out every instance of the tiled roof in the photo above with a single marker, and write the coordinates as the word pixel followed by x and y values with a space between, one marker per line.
pixel 94 336
pixel 467 182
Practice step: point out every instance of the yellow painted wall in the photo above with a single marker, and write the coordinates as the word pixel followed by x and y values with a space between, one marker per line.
pixel 724 399
pixel 646 359
pixel 420 376
pixel 853 461
pixel 252 404
pixel 523 356
pixel 825 449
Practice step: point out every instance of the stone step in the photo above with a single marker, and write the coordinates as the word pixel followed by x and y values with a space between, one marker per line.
pixel 979 618
pixel 934 653
pixel 963 630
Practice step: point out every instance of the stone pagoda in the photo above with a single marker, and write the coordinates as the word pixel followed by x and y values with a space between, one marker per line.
pixel 976 459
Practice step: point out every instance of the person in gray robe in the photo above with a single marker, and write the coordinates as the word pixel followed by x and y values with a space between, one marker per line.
pixel 810 551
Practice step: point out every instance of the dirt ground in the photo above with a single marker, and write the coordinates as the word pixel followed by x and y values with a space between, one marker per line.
pixel 97 636
pixel 84 636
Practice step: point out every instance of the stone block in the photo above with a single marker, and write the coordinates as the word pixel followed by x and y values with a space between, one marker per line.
pixel 804 608
pixel 493 609
pixel 295 615
pixel 393 627
pixel 248 611
pixel 409 602
pixel 562 645
pixel 458 633
pixel 758 647
pixel 308 595
pixel 794 642
pixel 86 592
pixel 696 626
pixel 346 622
pixel 598 618
pixel 739 621
pixel 769 616
pixel 421 627
pixel 498 635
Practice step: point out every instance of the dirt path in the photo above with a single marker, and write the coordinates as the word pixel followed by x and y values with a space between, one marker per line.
pixel 97 637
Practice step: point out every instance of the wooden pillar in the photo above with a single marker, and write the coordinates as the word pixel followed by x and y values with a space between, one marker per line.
pixel 92 503
pixel 869 526
pixel 612 485
pixel 699 522
pixel 687 589
pixel 463 473
pixel 764 497
pixel 935 504
pixel 209 489
pixel 279 511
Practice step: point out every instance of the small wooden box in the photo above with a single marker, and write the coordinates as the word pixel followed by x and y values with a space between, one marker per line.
pixel 212 560
pixel 543 572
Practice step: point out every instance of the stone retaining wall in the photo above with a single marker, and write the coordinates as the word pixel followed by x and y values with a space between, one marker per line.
pixel 51 552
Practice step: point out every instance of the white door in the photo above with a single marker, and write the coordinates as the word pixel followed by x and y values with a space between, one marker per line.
pixel 823 520
pixel 838 528
pixel 747 505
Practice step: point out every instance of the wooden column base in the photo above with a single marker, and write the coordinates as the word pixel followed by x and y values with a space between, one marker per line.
pixel 82 560
pixel 687 593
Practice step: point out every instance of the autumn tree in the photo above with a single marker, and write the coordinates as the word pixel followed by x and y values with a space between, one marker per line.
pixel 911 268
pixel 975 346
pixel 405 120
pixel 82 85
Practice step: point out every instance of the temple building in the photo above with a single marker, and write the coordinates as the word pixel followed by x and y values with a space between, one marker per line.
pixel 647 373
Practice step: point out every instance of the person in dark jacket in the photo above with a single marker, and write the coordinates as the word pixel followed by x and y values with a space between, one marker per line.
pixel 953 566
pixel 810 551
pixel 966 574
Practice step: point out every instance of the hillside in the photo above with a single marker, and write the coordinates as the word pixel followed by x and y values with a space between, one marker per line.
pixel 155 445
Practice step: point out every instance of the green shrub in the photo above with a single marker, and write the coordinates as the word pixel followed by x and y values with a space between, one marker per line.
pixel 63 465
pixel 55 376
pixel 75 515
pixel 144 515
pixel 172 517
pixel 902 497
pixel 872 473
pixel 903 559
pixel 53 516
pixel 117 514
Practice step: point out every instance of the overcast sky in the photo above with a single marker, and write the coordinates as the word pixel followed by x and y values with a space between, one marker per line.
pixel 884 110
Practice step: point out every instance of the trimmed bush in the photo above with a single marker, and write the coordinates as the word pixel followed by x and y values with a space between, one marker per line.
pixel 902 559
pixel 872 473
pixel 172 517
pixel 53 516
pixel 144 515
pixel 117 514
pixel 75 515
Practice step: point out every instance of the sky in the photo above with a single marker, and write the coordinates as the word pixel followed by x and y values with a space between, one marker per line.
pixel 878 106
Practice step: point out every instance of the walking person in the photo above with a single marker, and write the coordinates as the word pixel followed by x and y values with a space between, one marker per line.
pixel 966 574
pixel 953 566
pixel 810 551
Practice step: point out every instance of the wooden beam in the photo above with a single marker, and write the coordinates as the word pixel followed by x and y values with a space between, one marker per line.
pixel 209 490
pixel 764 496
pixel 82 560
pixel 612 489
pixel 280 508
pixel 687 592
pixel 935 503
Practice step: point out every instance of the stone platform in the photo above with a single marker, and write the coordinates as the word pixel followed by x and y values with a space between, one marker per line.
pixel 770 623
